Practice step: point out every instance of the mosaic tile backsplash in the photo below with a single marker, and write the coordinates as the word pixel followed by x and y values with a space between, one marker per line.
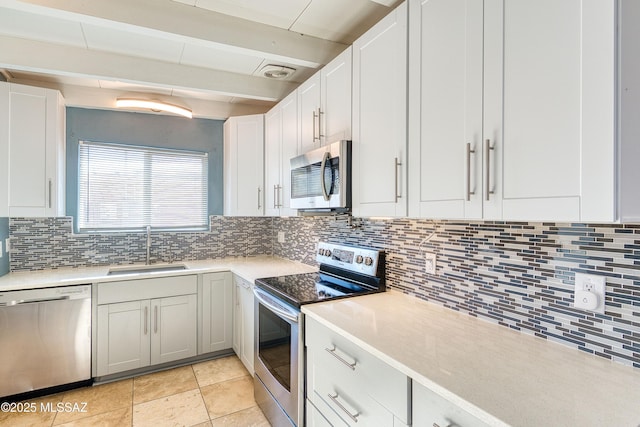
pixel 519 275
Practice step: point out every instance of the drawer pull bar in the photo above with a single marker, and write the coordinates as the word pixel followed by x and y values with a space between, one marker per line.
pixel 332 351
pixel 334 399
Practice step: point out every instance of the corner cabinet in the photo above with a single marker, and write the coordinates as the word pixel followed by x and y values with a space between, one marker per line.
pixel 145 322
pixel 508 121
pixel 324 104
pixel 380 118
pixel 280 145
pixel 32 151
pixel 244 165
pixel 217 312
pixel 243 322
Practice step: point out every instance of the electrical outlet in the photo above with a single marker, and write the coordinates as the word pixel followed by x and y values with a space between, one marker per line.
pixel 589 293
pixel 429 263
pixel 7 245
pixel 280 236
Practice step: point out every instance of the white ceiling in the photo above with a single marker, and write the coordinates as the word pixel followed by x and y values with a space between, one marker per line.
pixel 203 54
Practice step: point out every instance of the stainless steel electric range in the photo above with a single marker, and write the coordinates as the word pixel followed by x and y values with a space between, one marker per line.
pixel 345 271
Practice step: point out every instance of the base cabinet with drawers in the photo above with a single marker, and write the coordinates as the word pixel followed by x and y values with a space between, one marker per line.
pixel 145 322
pixel 430 409
pixel 348 386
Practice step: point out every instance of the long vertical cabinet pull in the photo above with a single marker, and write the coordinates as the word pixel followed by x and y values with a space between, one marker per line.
pixel 50 191
pixel 469 153
pixel 259 190
pixel 487 153
pixel 320 113
pixel 314 125
pixel 397 164
pixel 279 195
pixel 146 320
pixel 275 196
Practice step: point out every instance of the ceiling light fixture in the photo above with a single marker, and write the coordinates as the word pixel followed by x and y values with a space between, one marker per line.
pixel 277 71
pixel 153 106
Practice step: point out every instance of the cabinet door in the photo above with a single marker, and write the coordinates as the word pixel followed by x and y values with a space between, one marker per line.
pixel 217 316
pixel 335 120
pixel 237 318
pixel 174 328
pixel 272 160
pixel 34 148
pixel 380 118
pixel 123 337
pixel 244 165
pixel 288 150
pixel 308 114
pixel 549 98
pixel 445 141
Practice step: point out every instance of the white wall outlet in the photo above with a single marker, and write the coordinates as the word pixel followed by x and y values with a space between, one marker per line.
pixel 280 236
pixel 589 292
pixel 7 245
pixel 430 263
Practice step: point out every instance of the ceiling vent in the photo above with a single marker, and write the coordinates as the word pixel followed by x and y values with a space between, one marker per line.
pixel 280 72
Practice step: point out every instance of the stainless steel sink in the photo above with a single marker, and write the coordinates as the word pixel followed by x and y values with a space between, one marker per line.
pixel 137 269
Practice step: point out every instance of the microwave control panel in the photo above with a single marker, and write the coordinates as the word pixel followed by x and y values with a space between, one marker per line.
pixel 360 260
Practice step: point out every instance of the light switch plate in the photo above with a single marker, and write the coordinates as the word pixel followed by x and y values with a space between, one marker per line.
pixel 7 245
pixel 280 236
pixel 589 293
pixel 430 263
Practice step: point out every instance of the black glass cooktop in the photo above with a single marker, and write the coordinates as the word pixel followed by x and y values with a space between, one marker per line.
pixel 299 289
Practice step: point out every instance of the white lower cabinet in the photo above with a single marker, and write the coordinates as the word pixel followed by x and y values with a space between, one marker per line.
pixel 243 321
pixel 145 322
pixel 430 409
pixel 217 312
pixel 348 386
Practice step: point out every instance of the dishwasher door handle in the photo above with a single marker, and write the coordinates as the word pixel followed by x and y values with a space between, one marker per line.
pixel 33 301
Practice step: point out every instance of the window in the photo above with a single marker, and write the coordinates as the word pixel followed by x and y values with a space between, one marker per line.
pixel 125 187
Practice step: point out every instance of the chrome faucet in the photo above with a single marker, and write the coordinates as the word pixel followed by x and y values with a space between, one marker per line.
pixel 148 245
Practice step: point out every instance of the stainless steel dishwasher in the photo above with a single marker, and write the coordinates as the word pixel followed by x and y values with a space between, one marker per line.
pixel 45 338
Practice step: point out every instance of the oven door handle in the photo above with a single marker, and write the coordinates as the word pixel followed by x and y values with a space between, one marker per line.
pixel 264 300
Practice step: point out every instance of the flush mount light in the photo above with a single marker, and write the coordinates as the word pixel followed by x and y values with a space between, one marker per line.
pixel 277 71
pixel 153 106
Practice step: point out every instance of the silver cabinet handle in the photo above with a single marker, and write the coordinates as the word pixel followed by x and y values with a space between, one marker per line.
pixel 332 351
pixel 50 188
pixel 323 165
pixel 314 126
pixel 397 164
pixel 155 319
pixel 448 425
pixel 279 195
pixel 334 399
pixel 320 113
pixel 146 320
pixel 487 153
pixel 259 190
pixel 469 152
pixel 275 196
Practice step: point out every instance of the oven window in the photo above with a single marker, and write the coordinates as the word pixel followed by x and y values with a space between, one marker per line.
pixel 274 345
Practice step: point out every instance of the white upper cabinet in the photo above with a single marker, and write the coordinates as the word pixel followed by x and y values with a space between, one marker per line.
pixel 32 151
pixel 281 144
pixel 324 104
pixel 244 165
pixel 379 146
pixel 512 109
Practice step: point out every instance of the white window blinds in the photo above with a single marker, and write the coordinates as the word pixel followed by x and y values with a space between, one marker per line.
pixel 125 187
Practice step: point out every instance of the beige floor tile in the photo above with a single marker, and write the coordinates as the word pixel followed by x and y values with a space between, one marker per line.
pixel 99 399
pixel 218 370
pixel 229 396
pixel 182 409
pixel 207 424
pixel 252 417
pixel 33 412
pixel 120 418
pixel 162 384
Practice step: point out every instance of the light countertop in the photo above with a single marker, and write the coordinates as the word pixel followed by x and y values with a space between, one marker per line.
pixel 249 268
pixel 503 377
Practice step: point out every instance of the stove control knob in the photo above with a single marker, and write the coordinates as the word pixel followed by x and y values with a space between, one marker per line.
pixel 327 252
pixel 368 261
pixel 359 259
pixel 320 251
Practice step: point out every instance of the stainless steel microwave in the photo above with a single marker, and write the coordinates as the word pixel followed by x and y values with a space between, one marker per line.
pixel 321 179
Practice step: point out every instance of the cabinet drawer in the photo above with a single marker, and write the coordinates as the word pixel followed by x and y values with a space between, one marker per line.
pixel 315 418
pixel 344 366
pixel 430 408
pixel 139 289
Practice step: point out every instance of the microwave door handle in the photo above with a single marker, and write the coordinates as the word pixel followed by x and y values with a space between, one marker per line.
pixel 323 165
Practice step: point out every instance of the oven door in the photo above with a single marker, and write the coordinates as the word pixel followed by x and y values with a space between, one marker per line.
pixel 276 355
pixel 320 178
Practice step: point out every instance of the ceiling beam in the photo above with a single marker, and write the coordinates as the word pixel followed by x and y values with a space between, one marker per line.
pixel 180 22
pixel 35 56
